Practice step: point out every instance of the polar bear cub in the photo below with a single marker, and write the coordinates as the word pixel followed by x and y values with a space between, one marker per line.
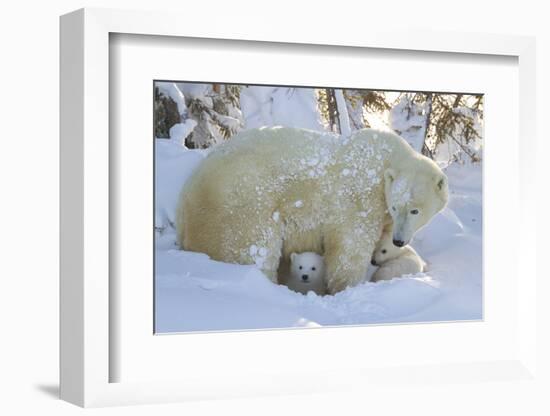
pixel 307 273
pixel 394 261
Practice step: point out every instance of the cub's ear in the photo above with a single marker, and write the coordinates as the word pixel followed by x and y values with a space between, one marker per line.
pixel 389 175
pixel 292 256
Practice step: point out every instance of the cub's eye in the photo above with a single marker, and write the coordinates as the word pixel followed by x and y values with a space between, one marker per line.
pixel 414 211
pixel 313 268
pixel 393 208
pixel 300 267
pixel 384 251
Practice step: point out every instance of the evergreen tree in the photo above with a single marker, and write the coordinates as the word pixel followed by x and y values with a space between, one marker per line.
pixel 328 108
pixel 215 108
pixel 374 101
pixel 444 127
pixel 456 127
pixel 165 114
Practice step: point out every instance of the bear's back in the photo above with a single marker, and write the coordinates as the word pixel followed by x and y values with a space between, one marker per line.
pixel 269 158
pixel 279 144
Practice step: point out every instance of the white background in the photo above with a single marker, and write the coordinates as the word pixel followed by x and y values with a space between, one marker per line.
pixel 29 208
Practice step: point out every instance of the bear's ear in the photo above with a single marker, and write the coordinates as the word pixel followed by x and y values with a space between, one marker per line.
pixel 292 256
pixel 441 182
pixel 442 188
pixel 389 175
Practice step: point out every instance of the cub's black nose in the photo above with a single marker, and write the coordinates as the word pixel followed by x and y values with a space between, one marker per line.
pixel 398 243
pixel 305 277
pixel 373 262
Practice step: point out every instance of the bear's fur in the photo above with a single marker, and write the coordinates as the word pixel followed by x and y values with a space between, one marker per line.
pixel 307 273
pixel 269 192
pixel 394 261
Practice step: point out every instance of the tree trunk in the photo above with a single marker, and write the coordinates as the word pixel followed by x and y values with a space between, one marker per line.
pixel 332 109
pixel 342 112
pixel 429 105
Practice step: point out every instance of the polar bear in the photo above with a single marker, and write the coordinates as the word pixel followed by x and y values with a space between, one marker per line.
pixel 394 261
pixel 307 273
pixel 270 192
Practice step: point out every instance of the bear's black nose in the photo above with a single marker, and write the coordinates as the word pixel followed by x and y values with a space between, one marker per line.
pixel 398 243
pixel 305 277
pixel 373 262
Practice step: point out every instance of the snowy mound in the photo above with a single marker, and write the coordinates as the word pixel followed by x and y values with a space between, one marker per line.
pixel 195 293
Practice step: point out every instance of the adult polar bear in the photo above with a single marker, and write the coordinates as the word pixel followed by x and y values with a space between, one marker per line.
pixel 270 192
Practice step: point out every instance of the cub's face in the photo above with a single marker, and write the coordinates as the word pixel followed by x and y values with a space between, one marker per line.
pixel 307 267
pixel 412 201
pixel 385 249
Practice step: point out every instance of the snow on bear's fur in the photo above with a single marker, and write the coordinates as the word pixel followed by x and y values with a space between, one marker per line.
pixel 307 273
pixel 394 261
pixel 270 192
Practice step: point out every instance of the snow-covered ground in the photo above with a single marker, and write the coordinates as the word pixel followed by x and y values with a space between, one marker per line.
pixel 195 293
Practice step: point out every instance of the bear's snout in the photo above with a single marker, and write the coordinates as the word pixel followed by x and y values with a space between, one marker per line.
pixel 373 262
pixel 305 277
pixel 398 243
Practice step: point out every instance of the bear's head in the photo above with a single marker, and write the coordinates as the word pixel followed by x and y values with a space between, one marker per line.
pixel 307 267
pixel 413 196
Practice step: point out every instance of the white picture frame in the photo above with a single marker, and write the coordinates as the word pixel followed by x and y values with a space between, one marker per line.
pixel 86 301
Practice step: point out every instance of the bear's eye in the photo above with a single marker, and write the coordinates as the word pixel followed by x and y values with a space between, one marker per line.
pixel 414 211
pixel 384 251
pixel 393 208
pixel 313 268
pixel 300 267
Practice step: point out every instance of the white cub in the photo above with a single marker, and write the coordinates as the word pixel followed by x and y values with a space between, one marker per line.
pixel 307 272
pixel 394 261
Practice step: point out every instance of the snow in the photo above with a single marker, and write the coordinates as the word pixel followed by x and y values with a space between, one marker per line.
pixel 172 90
pixel 408 119
pixel 232 123
pixel 280 106
pixel 195 293
pixel 450 150
pixel 173 165
pixel 178 132
pixel 206 125
pixel 195 91
pixel 401 191
pixel 259 254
